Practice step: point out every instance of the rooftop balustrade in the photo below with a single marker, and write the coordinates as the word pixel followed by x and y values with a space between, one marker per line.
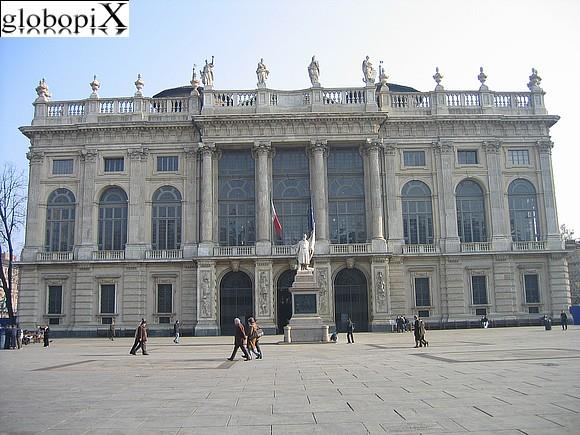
pixel 209 101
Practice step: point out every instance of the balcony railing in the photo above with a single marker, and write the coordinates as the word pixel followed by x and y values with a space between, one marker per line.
pixel 54 256
pixel 420 249
pixel 351 248
pixel 234 251
pixel 529 246
pixel 162 254
pixel 285 250
pixel 476 247
pixel 108 255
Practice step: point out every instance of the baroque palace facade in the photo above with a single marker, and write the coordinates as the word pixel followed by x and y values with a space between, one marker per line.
pixel 435 203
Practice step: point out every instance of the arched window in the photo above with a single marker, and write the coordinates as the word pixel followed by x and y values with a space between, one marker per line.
pixel 351 299
pixel 237 209
pixel 417 213
pixel 291 193
pixel 113 220
pixel 60 221
pixel 470 212
pixel 166 219
pixel 346 196
pixel 523 211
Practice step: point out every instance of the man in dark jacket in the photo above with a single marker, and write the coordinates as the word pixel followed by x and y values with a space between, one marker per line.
pixel 349 331
pixel 140 339
pixel 176 327
pixel 564 320
pixel 240 338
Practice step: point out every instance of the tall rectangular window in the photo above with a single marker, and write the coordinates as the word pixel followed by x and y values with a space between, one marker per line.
pixel 414 158
pixel 422 293
pixel 115 164
pixel 164 298
pixel 236 204
pixel 62 166
pixel 346 196
pixel 107 298
pixel 532 289
pixel 167 164
pixel 54 299
pixel 519 157
pixel 467 157
pixel 479 289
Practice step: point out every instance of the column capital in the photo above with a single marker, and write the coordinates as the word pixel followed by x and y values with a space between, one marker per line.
pixel 390 148
pixel 206 148
pixel 35 157
pixel 138 154
pixel 261 147
pixel 190 152
pixel 318 146
pixel 373 144
pixel 443 146
pixel 545 146
pixel 89 156
pixel 492 146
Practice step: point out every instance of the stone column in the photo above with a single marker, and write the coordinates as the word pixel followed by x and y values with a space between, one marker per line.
pixel 319 152
pixel 499 215
pixel 394 213
pixel 380 294
pixel 206 151
pixel 444 157
pixel 189 211
pixel 373 149
pixel 552 229
pixel 34 236
pixel 88 226
pixel 261 152
pixel 207 317
pixel 137 222
pixel 264 296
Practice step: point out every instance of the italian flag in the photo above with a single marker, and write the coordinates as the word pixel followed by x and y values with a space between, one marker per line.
pixel 276 221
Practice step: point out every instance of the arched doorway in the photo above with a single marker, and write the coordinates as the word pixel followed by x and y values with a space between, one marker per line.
pixel 235 300
pixel 350 299
pixel 284 298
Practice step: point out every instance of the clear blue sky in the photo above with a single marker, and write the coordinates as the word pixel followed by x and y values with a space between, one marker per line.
pixel 412 37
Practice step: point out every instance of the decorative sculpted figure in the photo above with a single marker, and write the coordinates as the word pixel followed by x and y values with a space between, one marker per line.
pixel 207 73
pixel 314 72
pixel 262 73
pixel 369 72
pixel 305 251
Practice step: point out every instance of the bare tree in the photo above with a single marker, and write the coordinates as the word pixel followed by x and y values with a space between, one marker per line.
pixel 12 212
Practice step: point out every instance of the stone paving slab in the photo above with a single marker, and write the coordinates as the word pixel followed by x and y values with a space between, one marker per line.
pixel 501 381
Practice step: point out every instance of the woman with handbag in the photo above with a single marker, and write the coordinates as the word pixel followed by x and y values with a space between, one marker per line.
pixel 254 338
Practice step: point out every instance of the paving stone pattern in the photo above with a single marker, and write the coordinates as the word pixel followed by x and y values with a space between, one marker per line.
pixel 501 381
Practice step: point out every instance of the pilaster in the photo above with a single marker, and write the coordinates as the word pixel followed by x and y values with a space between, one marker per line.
pixel 499 215
pixel 264 296
pixel 206 152
pixel 262 151
pixel 394 212
pixel 190 213
pixel 326 292
pixel 444 161
pixel 137 226
pixel 34 236
pixel 88 241
pixel 380 294
pixel 554 241
pixel 504 278
pixel 559 291
pixel 207 320
pixel 373 149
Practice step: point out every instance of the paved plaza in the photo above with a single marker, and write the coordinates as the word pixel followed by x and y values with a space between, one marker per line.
pixel 504 380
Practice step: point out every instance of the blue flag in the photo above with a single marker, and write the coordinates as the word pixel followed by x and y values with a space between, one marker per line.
pixel 311 221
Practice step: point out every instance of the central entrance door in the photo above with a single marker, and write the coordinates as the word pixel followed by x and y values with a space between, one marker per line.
pixel 284 298
pixel 235 300
pixel 351 300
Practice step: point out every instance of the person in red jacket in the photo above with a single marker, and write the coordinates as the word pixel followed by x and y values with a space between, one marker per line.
pixel 240 340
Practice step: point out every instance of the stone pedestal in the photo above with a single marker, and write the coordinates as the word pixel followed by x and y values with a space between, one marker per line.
pixel 306 326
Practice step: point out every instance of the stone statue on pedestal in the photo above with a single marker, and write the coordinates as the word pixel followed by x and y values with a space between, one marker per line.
pixel 207 73
pixel 314 72
pixel 262 73
pixel 305 251
pixel 369 72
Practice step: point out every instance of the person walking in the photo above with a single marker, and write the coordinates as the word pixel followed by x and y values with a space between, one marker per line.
pixel 140 339
pixel 19 336
pixel 564 320
pixel 254 334
pixel 349 331
pixel 176 327
pixel 417 331
pixel 112 330
pixel 422 341
pixel 240 339
pixel 46 336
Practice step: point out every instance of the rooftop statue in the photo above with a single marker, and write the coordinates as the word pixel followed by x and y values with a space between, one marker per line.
pixel 369 72
pixel 207 73
pixel 262 73
pixel 314 72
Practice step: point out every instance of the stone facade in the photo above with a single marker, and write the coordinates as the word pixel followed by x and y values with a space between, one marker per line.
pixel 89 148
